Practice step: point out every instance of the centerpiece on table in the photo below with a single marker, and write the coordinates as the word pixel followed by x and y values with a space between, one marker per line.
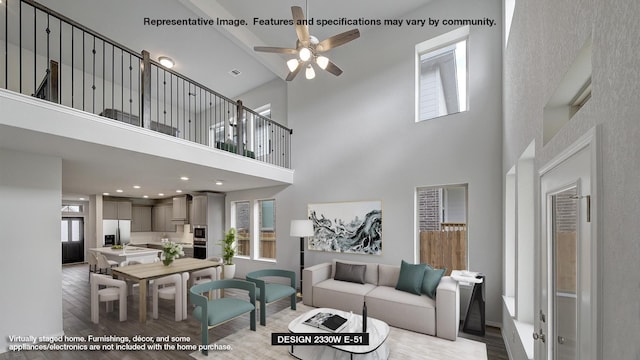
pixel 170 251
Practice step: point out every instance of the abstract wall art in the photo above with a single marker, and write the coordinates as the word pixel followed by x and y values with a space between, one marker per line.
pixel 347 227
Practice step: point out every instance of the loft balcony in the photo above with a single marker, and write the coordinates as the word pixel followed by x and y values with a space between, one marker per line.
pixel 50 57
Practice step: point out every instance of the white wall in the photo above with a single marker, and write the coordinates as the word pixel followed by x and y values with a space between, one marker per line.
pixel 545 38
pixel 355 138
pixel 30 198
pixel 275 93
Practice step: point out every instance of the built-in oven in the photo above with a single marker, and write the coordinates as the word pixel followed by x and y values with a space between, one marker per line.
pixel 200 242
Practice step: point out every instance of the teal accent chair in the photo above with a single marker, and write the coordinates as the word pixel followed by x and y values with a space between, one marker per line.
pixel 267 293
pixel 212 313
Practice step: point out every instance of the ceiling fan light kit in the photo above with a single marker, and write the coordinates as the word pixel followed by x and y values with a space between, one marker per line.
pixel 308 48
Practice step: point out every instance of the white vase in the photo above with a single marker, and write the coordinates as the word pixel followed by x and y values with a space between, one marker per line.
pixel 229 271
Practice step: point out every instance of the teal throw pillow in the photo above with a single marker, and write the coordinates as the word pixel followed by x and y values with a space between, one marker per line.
pixel 411 277
pixel 431 280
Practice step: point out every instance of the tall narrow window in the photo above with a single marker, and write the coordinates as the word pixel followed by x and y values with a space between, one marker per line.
pixel 241 215
pixel 442 220
pixel 441 80
pixel 267 225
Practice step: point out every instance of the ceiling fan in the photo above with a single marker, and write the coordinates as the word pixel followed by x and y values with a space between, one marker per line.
pixel 309 48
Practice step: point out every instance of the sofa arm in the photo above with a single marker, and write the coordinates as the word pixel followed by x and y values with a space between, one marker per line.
pixel 311 276
pixel 447 308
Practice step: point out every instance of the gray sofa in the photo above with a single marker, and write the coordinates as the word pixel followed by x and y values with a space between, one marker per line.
pixel 439 317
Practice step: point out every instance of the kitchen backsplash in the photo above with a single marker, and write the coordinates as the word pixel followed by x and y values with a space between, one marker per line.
pixel 182 235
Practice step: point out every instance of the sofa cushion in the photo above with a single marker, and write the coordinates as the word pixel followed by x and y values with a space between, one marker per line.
pixel 341 295
pixel 411 277
pixel 370 275
pixel 388 275
pixel 431 280
pixel 350 272
pixel 402 309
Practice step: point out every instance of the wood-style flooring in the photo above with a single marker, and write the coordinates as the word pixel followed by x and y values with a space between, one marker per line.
pixel 77 322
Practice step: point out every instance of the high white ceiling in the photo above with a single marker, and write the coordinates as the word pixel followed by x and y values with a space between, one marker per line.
pixel 204 53
pixel 208 53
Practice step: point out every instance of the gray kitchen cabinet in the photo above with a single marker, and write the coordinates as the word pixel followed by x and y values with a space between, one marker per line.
pixel 116 210
pixel 179 210
pixel 199 214
pixel 188 251
pixel 161 218
pixel 141 218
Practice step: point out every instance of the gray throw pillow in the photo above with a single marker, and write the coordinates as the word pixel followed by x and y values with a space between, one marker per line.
pixel 431 280
pixel 350 272
pixel 411 277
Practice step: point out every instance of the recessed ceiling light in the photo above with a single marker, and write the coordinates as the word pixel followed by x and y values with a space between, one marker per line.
pixel 178 191
pixel 106 194
pixel 166 62
pixel 146 196
pixel 136 186
pixel 119 190
pixel 184 178
pixel 219 182
pixel 82 199
pixel 160 194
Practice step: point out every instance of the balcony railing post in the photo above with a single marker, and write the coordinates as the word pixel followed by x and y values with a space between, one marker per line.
pixel 145 91
pixel 240 127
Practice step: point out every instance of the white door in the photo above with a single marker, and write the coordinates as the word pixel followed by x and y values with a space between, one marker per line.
pixel 566 321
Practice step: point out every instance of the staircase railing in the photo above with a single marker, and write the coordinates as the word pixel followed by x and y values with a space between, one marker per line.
pixel 57 59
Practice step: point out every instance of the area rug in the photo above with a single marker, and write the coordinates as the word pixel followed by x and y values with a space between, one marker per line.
pixel 403 344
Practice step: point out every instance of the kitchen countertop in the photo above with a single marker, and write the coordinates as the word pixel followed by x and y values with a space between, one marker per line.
pixel 159 243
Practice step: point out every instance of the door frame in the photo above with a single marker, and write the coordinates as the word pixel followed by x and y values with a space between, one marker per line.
pixel 592 343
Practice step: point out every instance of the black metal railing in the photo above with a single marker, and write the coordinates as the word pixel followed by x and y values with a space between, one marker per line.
pixel 57 59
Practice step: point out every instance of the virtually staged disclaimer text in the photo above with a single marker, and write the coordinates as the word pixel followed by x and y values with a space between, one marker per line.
pixel 320 22
pixel 108 343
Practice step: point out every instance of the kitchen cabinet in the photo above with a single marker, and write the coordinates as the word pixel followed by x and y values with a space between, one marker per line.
pixel 141 218
pixel 161 218
pixel 116 210
pixel 188 251
pixel 179 210
pixel 199 213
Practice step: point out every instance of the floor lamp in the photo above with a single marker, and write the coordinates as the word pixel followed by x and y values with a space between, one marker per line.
pixel 301 229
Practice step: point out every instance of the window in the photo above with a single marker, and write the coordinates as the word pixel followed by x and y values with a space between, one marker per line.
pixel 267 226
pixel 242 221
pixel 442 223
pixel 71 208
pixel 441 75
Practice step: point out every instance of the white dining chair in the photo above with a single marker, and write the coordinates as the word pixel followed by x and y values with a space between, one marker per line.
pixel 105 264
pixel 172 287
pixel 205 275
pixel 93 263
pixel 113 290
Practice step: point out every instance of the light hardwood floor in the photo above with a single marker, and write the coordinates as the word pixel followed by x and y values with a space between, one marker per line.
pixel 77 322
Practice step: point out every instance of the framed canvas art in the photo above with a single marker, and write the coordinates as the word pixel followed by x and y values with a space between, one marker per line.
pixel 347 227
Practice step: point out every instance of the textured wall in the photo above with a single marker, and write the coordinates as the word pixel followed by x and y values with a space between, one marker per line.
pixel 545 37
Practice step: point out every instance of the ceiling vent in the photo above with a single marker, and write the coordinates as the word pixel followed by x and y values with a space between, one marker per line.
pixel 235 72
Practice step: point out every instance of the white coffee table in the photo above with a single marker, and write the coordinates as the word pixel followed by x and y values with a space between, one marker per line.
pixel 378 332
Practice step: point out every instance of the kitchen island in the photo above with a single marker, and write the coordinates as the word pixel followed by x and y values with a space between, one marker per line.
pixel 128 253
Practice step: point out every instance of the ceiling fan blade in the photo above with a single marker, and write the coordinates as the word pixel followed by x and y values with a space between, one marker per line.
pixel 302 30
pixel 277 50
pixel 337 40
pixel 333 68
pixel 293 74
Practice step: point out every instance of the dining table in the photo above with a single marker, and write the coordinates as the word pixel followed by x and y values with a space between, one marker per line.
pixel 142 273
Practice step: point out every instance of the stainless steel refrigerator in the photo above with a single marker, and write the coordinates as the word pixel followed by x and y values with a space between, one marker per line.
pixel 118 230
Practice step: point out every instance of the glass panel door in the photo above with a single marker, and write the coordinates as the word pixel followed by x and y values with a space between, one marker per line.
pixel 565 209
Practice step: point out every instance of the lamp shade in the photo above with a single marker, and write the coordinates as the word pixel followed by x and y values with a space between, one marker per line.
pixel 301 228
